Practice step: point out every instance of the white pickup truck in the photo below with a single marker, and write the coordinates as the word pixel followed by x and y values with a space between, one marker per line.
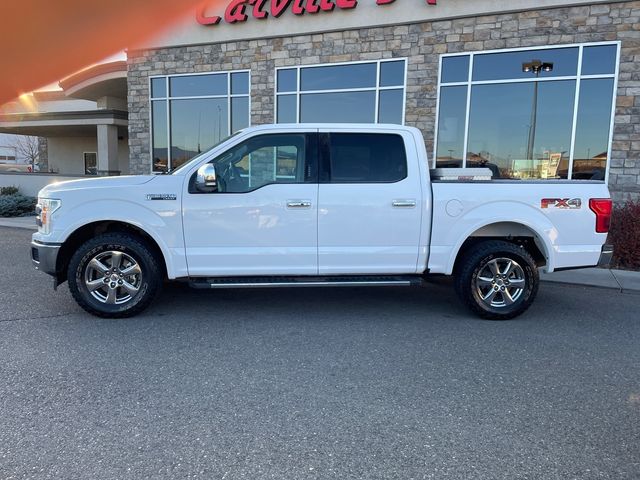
pixel 315 205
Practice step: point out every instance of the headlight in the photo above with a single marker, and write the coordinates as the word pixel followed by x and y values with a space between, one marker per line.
pixel 44 210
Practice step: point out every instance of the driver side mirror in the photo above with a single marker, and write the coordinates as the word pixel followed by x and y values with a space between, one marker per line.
pixel 206 179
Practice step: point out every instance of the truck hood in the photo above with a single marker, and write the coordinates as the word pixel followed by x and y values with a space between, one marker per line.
pixel 94 183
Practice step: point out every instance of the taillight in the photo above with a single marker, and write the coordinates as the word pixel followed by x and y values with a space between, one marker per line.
pixel 602 208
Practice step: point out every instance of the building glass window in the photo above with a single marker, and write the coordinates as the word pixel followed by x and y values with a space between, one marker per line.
pixel 508 65
pixel 8 154
pixel 455 69
pixel 90 163
pixel 192 113
pixel 543 113
pixel 592 129
pixel 361 92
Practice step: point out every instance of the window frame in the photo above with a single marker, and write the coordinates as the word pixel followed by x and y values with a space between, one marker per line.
pixel 84 159
pixel 311 161
pixel 578 77
pixel 167 98
pixel 377 88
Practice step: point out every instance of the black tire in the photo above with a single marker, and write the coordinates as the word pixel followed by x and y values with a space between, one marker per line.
pixel 115 302
pixel 500 298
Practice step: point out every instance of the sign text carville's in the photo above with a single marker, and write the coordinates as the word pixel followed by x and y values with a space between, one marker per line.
pixel 240 10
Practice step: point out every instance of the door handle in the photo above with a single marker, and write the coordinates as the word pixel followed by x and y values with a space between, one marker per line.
pixel 404 203
pixel 298 204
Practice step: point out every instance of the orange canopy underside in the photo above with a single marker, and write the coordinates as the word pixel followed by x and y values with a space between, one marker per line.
pixel 46 40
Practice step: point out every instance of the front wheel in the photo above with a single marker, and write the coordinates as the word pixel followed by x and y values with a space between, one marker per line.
pixel 114 275
pixel 497 280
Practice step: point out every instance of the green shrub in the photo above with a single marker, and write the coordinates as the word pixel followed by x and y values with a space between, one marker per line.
pixel 8 190
pixel 625 236
pixel 17 205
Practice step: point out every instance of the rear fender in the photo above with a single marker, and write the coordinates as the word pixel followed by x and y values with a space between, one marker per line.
pixel 488 214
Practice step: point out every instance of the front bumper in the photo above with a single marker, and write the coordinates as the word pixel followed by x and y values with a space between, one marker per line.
pixel 605 256
pixel 44 256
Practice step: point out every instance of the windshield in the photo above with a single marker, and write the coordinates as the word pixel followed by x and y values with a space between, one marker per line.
pixel 199 156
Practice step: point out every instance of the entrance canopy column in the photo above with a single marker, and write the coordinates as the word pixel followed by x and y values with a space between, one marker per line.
pixel 108 150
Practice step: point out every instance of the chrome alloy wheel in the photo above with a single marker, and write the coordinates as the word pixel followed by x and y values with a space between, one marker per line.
pixel 500 282
pixel 113 277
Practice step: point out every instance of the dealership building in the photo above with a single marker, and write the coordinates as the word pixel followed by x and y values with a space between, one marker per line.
pixel 533 89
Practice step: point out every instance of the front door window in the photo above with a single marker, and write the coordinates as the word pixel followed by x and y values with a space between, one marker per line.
pixel 261 161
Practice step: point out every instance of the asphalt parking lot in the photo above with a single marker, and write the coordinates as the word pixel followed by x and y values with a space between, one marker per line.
pixel 315 383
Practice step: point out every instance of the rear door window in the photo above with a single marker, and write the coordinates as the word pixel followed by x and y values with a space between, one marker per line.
pixel 365 158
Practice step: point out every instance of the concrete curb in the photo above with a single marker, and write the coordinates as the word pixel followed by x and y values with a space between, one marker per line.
pixel 621 280
pixel 19 222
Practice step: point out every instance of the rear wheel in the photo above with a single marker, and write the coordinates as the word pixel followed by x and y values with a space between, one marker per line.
pixel 497 280
pixel 114 275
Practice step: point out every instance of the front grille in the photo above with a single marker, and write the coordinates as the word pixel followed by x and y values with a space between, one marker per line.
pixel 35 254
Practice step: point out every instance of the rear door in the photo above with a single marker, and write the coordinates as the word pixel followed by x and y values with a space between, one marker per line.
pixel 369 203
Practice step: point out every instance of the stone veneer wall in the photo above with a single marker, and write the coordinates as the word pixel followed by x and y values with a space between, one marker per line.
pixel 43 154
pixel 422 44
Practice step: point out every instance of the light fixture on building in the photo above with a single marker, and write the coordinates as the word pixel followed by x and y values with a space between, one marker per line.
pixel 535 67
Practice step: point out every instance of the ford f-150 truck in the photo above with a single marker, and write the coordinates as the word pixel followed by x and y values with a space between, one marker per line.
pixel 316 205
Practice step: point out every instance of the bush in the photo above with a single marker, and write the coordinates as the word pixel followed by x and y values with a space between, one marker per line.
pixel 8 190
pixel 17 205
pixel 625 236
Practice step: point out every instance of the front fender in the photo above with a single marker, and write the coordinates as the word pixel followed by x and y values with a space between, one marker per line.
pixel 161 220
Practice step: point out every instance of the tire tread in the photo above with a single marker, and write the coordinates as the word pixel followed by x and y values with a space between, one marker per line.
pixel 468 263
pixel 153 274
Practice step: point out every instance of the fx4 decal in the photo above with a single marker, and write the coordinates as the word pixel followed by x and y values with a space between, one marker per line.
pixel 562 203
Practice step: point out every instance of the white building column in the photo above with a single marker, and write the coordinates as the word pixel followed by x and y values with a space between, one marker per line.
pixel 108 150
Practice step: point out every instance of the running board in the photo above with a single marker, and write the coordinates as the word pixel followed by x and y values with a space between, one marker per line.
pixel 339 281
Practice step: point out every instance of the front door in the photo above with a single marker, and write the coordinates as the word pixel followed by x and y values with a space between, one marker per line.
pixel 262 220
pixel 369 215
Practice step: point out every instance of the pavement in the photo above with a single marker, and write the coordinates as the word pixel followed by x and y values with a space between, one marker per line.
pixel 19 222
pixel 354 383
pixel 623 280
pixel 596 277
